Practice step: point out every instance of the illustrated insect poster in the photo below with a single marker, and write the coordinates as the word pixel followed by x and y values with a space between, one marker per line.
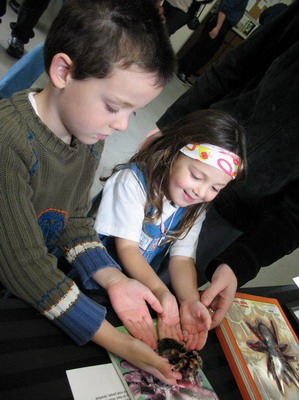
pixel 141 385
pixel 262 349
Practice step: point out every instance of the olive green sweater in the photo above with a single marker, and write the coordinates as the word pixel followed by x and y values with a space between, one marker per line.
pixel 44 199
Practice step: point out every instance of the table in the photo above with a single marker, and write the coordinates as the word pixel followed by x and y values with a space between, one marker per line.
pixel 34 354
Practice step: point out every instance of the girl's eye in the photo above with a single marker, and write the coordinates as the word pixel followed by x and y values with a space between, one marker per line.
pixel 110 109
pixel 215 189
pixel 198 178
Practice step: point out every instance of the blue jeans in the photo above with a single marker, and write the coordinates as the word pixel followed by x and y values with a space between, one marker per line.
pixel 23 73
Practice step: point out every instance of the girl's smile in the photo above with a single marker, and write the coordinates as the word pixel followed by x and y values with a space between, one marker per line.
pixel 188 197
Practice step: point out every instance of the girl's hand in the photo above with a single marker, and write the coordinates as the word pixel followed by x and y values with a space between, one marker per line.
pixel 195 321
pixel 169 320
pixel 135 352
pixel 221 292
pixel 128 298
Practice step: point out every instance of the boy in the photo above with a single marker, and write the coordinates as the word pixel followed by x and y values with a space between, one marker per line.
pixel 105 59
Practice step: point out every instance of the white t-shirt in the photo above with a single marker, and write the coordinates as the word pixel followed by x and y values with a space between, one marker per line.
pixel 121 213
pixel 180 4
pixel 33 102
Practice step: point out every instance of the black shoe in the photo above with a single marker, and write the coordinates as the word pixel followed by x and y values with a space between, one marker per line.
pixel 14 5
pixel 189 81
pixel 184 79
pixel 16 47
pixel 181 77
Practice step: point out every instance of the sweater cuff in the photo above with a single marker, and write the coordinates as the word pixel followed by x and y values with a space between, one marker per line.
pixel 88 260
pixel 82 320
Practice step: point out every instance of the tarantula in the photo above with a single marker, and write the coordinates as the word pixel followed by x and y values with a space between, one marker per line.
pixel 188 363
pixel 277 361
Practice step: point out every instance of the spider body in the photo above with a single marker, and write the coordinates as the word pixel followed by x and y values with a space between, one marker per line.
pixel 188 363
pixel 278 364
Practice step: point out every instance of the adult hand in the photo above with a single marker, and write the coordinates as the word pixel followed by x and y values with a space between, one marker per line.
pixel 195 321
pixel 169 320
pixel 214 32
pixel 150 137
pixel 129 299
pixel 221 292
pixel 161 11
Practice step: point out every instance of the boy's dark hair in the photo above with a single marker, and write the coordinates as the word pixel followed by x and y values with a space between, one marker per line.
pixel 99 34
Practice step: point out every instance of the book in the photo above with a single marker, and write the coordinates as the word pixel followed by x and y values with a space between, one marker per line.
pixel 261 348
pixel 141 385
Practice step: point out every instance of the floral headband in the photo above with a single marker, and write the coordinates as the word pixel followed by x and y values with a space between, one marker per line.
pixel 215 156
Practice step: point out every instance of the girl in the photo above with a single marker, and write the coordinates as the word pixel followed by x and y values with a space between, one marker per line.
pixel 156 203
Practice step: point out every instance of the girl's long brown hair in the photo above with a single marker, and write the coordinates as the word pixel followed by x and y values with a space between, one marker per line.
pixel 155 161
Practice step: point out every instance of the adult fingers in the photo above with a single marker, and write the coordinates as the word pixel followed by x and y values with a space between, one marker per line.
pixel 152 300
pixel 209 294
pixel 142 330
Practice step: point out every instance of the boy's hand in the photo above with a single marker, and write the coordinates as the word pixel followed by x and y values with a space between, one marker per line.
pixel 128 298
pixel 145 358
pixel 169 319
pixel 195 321
pixel 220 294
pixel 135 352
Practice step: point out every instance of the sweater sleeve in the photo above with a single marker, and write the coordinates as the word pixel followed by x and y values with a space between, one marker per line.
pixel 83 249
pixel 275 235
pixel 26 267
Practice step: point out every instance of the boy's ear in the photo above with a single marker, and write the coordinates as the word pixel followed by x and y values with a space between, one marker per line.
pixel 60 70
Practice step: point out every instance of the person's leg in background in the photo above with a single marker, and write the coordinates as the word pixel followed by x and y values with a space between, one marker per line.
pixel 204 49
pixel 30 12
pixel 175 18
pixel 23 73
pixel 14 5
pixel 2 8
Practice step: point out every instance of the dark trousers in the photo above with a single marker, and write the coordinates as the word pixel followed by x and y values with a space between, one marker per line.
pixel 205 47
pixel 175 18
pixel 2 7
pixel 29 14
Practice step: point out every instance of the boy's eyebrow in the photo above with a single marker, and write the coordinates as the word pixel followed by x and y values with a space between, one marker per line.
pixel 120 101
pixel 125 103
